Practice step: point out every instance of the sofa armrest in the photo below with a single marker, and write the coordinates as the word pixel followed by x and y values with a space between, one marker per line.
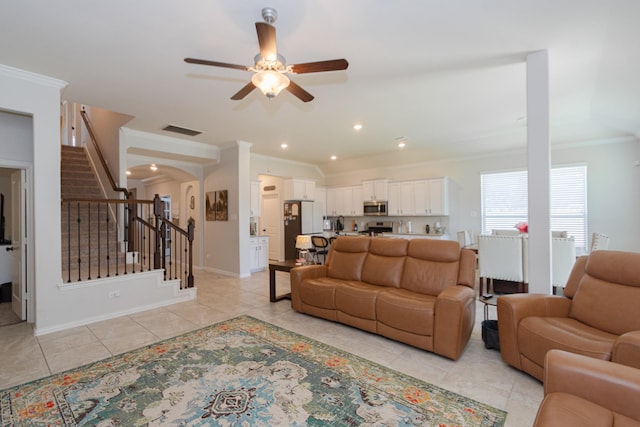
pixel 297 275
pixel 610 385
pixel 515 307
pixel 455 314
pixel 626 349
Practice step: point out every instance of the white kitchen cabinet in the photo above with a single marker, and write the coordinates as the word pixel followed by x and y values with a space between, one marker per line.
pixel 255 198
pixel 375 190
pixel 439 196
pixel 299 189
pixel 431 197
pixel 401 196
pixel 319 209
pixel 346 201
pixel 258 253
pixel 358 206
pixel 334 201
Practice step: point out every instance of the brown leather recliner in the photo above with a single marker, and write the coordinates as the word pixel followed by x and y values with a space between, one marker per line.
pixel 419 291
pixel 585 392
pixel 599 316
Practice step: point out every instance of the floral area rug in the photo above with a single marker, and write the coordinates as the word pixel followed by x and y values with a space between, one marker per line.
pixel 241 372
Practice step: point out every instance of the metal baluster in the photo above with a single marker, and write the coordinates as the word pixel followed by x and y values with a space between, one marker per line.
pixel 115 231
pixel 108 245
pixel 78 219
pixel 68 242
pixel 89 240
pixel 99 244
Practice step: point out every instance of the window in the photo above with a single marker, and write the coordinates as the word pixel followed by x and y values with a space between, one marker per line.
pixel 505 201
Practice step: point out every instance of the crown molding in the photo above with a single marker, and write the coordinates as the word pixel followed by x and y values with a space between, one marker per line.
pixel 39 79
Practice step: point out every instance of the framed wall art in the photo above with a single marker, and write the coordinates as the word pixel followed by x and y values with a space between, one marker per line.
pixel 217 205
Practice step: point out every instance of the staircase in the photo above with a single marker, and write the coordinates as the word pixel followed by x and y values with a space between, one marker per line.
pixel 78 180
pixel 89 230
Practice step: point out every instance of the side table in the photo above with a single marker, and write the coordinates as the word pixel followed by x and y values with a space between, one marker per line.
pixel 490 334
pixel 274 266
pixel 493 301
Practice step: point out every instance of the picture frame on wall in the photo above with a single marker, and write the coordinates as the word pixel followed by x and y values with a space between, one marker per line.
pixel 217 205
pixel 210 201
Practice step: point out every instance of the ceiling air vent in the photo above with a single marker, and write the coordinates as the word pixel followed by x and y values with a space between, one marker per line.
pixel 181 130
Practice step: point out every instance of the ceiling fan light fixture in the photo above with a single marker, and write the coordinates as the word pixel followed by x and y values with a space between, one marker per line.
pixel 270 82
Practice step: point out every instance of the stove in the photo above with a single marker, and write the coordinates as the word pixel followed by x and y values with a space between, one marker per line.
pixel 375 228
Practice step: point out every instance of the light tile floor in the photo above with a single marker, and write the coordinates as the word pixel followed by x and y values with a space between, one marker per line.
pixel 479 374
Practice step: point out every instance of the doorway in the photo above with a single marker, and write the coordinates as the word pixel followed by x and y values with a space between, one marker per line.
pixel 272 224
pixel 13 246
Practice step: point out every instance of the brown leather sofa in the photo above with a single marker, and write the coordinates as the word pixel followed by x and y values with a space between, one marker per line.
pixel 598 316
pixel 581 391
pixel 418 291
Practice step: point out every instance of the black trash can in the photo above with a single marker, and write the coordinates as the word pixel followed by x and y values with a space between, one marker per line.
pixel 490 334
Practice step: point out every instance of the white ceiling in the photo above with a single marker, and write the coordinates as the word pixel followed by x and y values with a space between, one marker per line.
pixel 449 75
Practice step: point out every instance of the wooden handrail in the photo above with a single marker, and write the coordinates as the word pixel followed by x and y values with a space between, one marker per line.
pixel 118 201
pixel 92 134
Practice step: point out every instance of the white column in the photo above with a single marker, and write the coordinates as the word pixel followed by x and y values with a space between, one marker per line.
pixel 539 165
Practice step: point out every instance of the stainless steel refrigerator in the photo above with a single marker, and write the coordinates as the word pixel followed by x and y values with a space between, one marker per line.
pixel 298 219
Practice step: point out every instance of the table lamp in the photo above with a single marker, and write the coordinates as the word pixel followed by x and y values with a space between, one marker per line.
pixel 303 244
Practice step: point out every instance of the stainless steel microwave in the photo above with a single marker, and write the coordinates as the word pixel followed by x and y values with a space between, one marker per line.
pixel 377 208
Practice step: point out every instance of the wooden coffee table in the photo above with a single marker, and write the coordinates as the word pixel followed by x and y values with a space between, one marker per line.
pixel 274 266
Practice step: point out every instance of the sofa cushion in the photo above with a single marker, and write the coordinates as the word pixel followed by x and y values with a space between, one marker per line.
pixel 607 306
pixel 357 299
pixel 537 335
pixel 567 410
pixel 319 292
pixel 346 257
pixel 431 266
pixel 385 262
pixel 406 310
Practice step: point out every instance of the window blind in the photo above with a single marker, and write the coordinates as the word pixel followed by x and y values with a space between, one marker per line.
pixel 505 201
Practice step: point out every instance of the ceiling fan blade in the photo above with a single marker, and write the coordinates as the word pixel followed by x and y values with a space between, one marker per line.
pixel 243 92
pixel 267 40
pixel 215 64
pixel 299 92
pixel 316 67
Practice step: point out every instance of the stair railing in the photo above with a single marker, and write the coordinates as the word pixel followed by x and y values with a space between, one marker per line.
pixel 94 250
pixel 85 118
pixel 136 231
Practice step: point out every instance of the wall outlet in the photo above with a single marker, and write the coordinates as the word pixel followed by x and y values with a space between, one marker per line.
pixel 114 294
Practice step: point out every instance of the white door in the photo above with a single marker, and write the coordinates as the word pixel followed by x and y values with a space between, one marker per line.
pixel 272 224
pixel 18 244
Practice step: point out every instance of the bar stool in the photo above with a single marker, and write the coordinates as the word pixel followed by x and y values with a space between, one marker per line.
pixel 321 246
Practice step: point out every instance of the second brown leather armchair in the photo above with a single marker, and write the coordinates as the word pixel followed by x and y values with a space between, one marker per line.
pixel 597 317
pixel 585 392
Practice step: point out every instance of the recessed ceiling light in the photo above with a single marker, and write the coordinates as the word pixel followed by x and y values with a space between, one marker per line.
pixel 402 141
pixel 357 126
pixel 283 146
pixel 128 172
pixel 334 157
pixel 153 167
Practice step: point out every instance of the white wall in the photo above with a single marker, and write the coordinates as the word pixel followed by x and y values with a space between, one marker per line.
pixel 265 165
pixel 106 125
pixel 39 97
pixel 224 240
pixel 16 145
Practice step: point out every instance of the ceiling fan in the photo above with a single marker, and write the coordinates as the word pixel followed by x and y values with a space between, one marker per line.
pixel 270 68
